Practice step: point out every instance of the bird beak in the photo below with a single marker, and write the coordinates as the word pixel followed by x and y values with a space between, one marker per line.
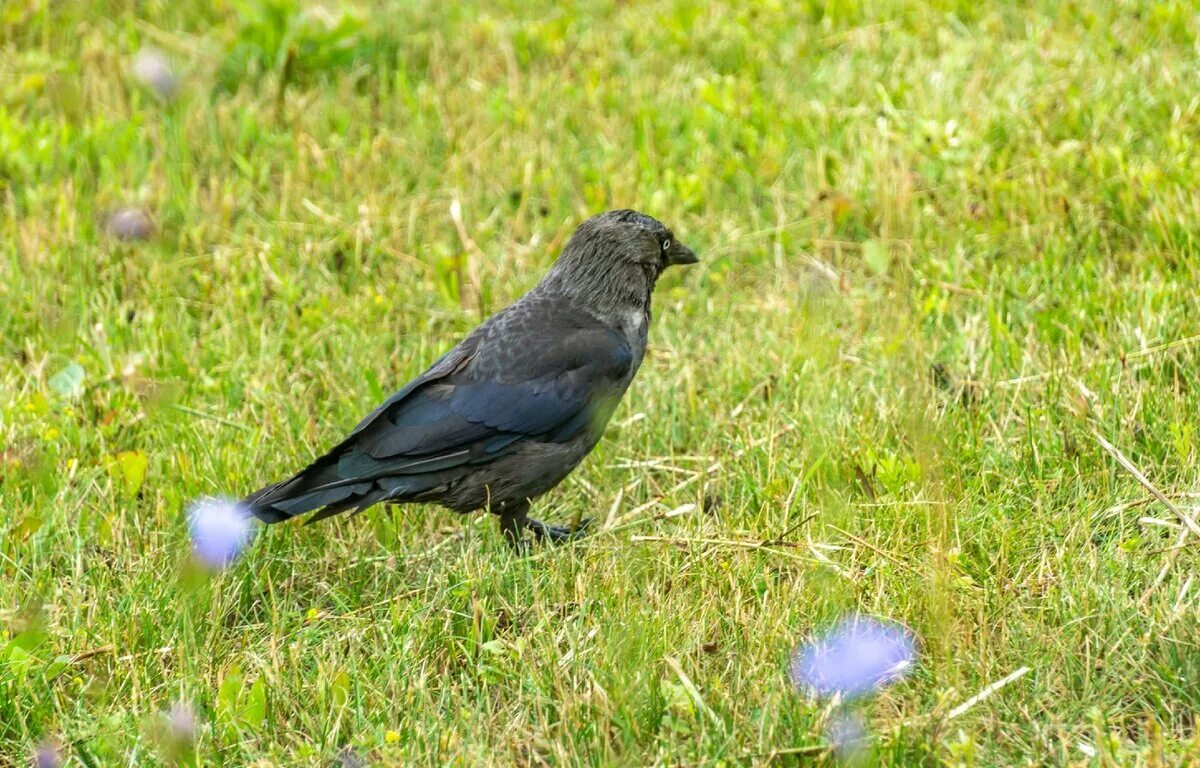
pixel 680 254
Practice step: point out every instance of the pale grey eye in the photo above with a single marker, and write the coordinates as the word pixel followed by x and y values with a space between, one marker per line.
pixel 666 244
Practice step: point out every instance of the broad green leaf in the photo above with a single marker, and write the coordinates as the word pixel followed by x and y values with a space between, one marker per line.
pixel 254 707
pixel 27 527
pixel 28 640
pixel 876 256
pixel 339 690
pixel 56 667
pixel 68 382
pixel 227 695
pixel 18 663
pixel 133 469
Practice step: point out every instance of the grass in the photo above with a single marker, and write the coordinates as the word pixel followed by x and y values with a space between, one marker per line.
pixel 946 247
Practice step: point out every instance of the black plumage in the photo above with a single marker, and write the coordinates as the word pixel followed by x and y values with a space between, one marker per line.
pixel 504 416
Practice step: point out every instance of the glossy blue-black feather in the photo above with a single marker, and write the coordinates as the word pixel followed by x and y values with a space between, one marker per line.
pixel 483 399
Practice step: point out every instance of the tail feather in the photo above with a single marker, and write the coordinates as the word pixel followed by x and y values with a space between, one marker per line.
pixel 357 504
pixel 319 488
pixel 300 493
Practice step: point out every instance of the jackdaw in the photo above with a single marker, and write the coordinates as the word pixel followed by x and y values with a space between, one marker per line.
pixel 504 416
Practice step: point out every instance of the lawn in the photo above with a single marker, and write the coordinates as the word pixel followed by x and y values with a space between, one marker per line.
pixel 947 310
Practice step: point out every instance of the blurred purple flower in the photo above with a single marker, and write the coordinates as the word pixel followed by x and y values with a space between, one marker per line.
pixel 350 758
pixel 130 223
pixel 47 756
pixel 220 531
pixel 181 720
pixel 858 657
pixel 152 69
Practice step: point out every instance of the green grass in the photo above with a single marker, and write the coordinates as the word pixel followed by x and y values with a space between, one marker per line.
pixel 945 246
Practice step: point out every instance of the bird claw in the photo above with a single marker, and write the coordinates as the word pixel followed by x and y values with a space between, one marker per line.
pixel 557 534
pixel 514 523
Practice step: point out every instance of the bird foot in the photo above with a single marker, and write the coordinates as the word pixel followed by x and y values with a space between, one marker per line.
pixel 557 534
pixel 514 526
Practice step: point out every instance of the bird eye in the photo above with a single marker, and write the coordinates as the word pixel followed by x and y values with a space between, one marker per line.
pixel 666 244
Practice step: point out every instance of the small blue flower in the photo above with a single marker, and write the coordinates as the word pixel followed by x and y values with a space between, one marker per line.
pixel 857 657
pixel 220 531
pixel 152 69
pixel 130 223
pixel 349 757
pixel 182 721
pixel 47 756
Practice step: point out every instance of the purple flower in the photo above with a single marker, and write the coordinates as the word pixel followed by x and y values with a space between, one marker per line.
pixel 152 69
pixel 130 224
pixel 858 657
pixel 350 758
pixel 220 531
pixel 47 756
pixel 181 720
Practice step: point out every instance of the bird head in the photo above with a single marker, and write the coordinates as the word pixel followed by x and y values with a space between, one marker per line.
pixel 617 241
pixel 613 260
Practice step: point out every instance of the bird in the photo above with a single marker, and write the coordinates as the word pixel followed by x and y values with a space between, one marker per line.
pixel 513 408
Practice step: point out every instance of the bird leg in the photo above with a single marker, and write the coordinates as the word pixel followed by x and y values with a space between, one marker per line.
pixel 515 520
pixel 512 525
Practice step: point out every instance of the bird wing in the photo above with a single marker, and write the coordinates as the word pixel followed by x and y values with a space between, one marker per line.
pixel 545 373
pixel 530 384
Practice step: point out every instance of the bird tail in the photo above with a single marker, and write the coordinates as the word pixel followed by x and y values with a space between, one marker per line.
pixel 320 488
pixel 316 487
